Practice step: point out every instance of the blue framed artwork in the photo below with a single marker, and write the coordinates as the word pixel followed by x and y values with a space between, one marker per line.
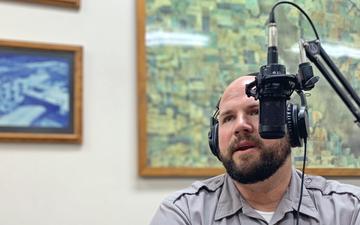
pixel 40 92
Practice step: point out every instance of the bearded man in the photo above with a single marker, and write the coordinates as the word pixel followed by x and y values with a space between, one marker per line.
pixel 260 185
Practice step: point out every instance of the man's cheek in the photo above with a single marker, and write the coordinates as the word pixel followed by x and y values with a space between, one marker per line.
pixel 221 140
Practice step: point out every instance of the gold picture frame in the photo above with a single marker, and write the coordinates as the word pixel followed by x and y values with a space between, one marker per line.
pixel 171 38
pixel 41 91
pixel 62 3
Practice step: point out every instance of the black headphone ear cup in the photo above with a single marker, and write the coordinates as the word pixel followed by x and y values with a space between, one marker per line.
pixel 213 134
pixel 292 125
pixel 303 121
pixel 297 121
pixel 213 137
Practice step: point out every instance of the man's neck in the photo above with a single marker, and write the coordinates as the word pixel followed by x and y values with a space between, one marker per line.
pixel 266 195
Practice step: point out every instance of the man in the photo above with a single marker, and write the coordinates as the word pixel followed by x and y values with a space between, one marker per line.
pixel 260 186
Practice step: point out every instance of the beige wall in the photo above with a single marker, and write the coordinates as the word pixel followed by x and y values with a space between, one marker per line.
pixel 95 183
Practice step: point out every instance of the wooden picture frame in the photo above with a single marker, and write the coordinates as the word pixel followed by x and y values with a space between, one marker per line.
pixel 41 92
pixel 228 39
pixel 62 3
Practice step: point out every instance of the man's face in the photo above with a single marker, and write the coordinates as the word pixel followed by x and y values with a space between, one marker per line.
pixel 246 156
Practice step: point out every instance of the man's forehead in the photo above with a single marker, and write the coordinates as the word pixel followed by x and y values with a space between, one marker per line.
pixel 237 88
pixel 242 99
pixel 233 104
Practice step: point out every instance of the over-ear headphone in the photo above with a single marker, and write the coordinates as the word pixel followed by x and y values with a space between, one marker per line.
pixel 297 122
pixel 213 134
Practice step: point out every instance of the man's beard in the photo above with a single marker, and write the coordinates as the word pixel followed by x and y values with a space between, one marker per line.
pixel 271 159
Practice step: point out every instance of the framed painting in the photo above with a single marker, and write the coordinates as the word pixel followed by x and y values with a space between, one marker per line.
pixel 40 92
pixel 62 3
pixel 188 52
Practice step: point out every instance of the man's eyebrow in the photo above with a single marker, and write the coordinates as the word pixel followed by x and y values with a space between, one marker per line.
pixel 225 112
pixel 255 105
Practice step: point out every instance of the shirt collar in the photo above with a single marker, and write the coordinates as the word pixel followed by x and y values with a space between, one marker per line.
pixel 231 201
pixel 291 198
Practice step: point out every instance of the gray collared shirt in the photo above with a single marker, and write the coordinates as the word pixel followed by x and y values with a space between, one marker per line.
pixel 216 201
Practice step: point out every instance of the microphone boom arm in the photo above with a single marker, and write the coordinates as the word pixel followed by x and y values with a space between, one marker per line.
pixel 318 56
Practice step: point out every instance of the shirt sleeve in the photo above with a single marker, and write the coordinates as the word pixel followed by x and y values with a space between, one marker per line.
pixel 355 219
pixel 170 214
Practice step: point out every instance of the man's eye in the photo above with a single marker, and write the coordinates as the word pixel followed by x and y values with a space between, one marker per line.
pixel 227 119
pixel 254 112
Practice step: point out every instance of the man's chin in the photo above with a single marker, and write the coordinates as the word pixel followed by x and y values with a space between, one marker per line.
pixel 248 156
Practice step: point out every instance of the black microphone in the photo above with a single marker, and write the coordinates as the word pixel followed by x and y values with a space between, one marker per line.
pixel 272 118
pixel 273 89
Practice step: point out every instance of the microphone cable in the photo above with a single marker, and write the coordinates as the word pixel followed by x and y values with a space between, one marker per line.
pixel 272 15
pixel 302 182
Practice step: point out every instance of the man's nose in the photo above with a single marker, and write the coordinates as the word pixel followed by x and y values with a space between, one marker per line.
pixel 243 125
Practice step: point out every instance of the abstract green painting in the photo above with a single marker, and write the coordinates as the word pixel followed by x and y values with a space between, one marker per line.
pixel 190 50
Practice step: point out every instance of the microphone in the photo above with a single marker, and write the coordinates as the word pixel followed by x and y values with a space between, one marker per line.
pixel 272 118
pixel 273 89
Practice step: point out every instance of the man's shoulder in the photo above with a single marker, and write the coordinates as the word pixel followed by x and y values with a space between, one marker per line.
pixel 330 187
pixel 196 204
pixel 198 189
